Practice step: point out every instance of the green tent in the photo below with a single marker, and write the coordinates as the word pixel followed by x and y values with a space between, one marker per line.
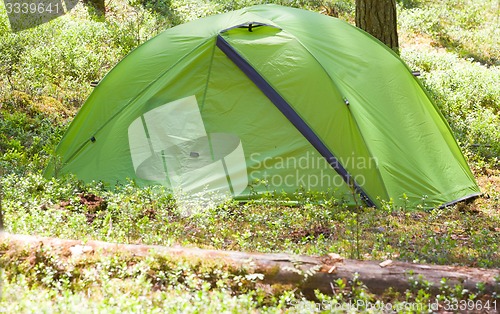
pixel 267 98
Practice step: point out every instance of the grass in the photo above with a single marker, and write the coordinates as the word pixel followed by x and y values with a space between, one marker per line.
pixel 150 216
pixel 452 43
pixel 40 278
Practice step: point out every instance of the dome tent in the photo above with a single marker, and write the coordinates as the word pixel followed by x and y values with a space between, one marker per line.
pixel 267 93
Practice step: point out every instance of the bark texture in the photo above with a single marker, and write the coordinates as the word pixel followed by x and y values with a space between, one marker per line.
pixel 1 209
pixel 378 17
pixel 98 5
pixel 285 269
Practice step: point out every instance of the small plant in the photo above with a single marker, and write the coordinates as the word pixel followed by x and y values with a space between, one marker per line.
pixel 44 79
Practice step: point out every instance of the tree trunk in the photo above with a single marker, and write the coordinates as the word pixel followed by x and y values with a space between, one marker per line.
pixel 1 209
pixel 378 17
pixel 306 273
pixel 98 5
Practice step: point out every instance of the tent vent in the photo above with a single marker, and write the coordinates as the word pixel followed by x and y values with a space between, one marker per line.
pixel 250 26
pixel 92 139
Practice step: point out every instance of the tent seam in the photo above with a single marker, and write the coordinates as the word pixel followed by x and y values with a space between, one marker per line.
pixel 79 149
pixel 341 170
pixel 205 97
pixel 353 118
pixel 209 74
pixel 426 93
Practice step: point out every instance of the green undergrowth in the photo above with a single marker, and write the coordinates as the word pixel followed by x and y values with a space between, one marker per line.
pixel 466 234
pixel 45 72
pixel 45 76
pixel 40 278
pixel 467 28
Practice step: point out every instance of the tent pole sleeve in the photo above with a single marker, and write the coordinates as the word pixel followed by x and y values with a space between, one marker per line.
pixel 291 115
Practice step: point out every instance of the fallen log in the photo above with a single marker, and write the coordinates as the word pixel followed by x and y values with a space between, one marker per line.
pixel 307 273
